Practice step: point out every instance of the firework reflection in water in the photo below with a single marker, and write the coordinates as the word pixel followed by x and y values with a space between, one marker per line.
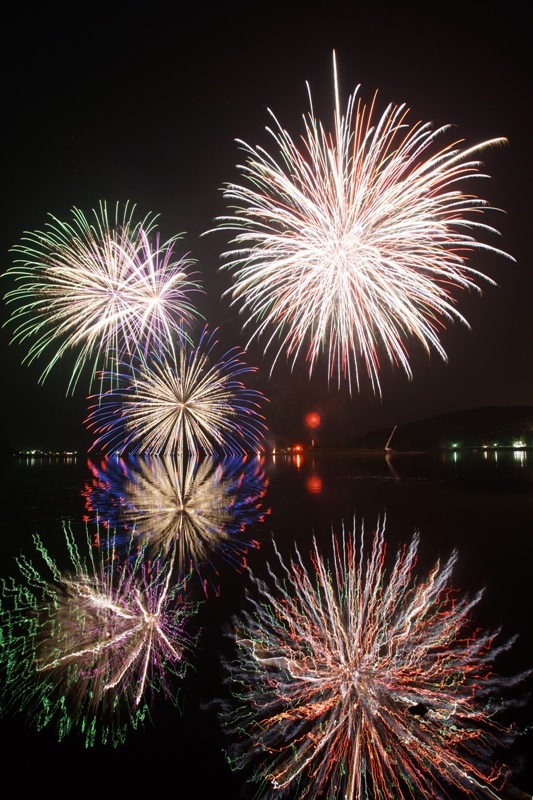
pixel 354 243
pixel 357 680
pixel 88 649
pixel 194 512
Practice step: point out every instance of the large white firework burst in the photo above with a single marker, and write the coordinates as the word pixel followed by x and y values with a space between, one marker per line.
pixel 354 242
pixel 354 679
pixel 103 286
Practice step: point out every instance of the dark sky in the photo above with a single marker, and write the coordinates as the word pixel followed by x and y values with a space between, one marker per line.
pixel 119 102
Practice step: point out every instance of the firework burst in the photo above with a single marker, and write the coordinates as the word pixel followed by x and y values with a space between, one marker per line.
pixel 88 649
pixel 354 242
pixel 358 681
pixel 188 403
pixel 106 289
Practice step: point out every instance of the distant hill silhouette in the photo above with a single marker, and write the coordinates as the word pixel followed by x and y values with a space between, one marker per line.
pixel 470 428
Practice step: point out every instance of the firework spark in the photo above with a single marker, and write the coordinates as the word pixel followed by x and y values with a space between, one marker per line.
pixel 188 403
pixel 193 514
pixel 104 289
pixel 358 681
pixel 356 241
pixel 88 648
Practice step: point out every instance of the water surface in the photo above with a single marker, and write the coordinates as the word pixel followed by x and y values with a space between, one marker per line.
pixel 480 503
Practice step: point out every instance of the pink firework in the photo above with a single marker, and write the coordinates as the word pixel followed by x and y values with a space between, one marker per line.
pixel 104 289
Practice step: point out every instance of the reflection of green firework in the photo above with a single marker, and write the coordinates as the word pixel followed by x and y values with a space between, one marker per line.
pixel 86 650
pixel 358 681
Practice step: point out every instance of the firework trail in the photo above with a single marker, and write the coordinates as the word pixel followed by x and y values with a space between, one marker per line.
pixel 191 515
pixel 354 242
pixel 188 403
pixel 356 680
pixel 88 649
pixel 105 289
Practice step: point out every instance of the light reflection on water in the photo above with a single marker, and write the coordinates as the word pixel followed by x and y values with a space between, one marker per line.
pixel 480 502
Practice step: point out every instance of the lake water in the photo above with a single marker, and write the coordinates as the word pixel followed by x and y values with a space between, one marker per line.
pixel 480 503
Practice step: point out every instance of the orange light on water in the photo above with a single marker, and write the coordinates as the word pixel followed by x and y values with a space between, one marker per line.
pixel 314 484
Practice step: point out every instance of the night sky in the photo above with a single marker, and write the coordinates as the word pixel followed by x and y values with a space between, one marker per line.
pixel 120 102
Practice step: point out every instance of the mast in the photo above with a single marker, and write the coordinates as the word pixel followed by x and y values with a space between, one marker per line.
pixel 387 447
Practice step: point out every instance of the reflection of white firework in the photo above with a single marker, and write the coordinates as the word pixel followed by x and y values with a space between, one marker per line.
pixel 194 513
pixel 94 642
pixel 192 404
pixel 354 241
pixel 358 681
pixel 105 289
